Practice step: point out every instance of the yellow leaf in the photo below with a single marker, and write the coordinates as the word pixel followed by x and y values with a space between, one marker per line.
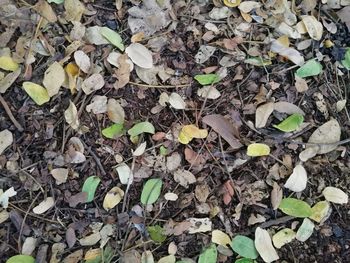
pixel 188 132
pixel 232 3
pixel 284 40
pixel 220 238
pixel 258 149
pixel 7 63
pixel 320 211
pixel 72 72
pixel 112 198
pixel 36 92
pixel 92 254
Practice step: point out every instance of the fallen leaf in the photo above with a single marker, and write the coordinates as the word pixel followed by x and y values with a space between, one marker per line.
pixel 115 111
pixel 46 11
pixel 232 3
pixel 295 207
pixel 276 196
pixel 140 55
pixel 124 173
pixel 74 10
pixel 113 37
pixel 4 196
pixel 140 149
pixel 112 198
pixel 202 192
pixel 264 245
pixel 114 131
pixel 60 175
pixel 171 196
pixel 167 259
pixel 188 132
pixel 297 180
pixel 90 240
pixel 93 36
pixel 335 195
pixel 228 191
pixel 209 255
pixel 6 139
pixel 72 73
pixel 262 114
pixel 141 127
pixel 176 101
pixel 184 177
pixel 199 225
pixel 82 60
pixel 255 219
pixel 147 257
pixel 113 58
pixel 123 72
pixel 90 186
pixel 29 246
pixel 224 128
pixel 151 191
pixel 244 246
pixel 283 237
pixel 220 238
pixel 313 27
pixel 305 230
pixel 258 149
pixel 207 79
pixel 98 104
pixel 204 53
pixel 7 63
pixel 71 116
pixel 53 78
pixel 157 233
pixel 193 158
pixel 93 83
pixel 340 105
pixel 209 92
pixel 288 52
pixel 4 215
pixel 38 93
pixel 8 80
pixel 310 68
pixel 21 259
pixel 286 107
pixel 291 123
pixel 44 206
pixel 301 84
pixel 248 6
pixel 320 211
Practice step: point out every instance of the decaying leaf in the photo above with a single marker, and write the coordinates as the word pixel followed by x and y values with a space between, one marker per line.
pixel 123 72
pixel 98 104
pixel 112 198
pixel 297 180
pixel 199 225
pixel 115 111
pixel 263 245
pixel 276 196
pixel 184 177
pixel 209 92
pixel 74 10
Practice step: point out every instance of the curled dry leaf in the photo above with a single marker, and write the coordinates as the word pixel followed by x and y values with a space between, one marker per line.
pixel 93 83
pixel 264 245
pixel 71 116
pixel 140 55
pixel 54 78
pixel 262 114
pixel 6 139
pixel 82 60
pixel 297 180
pixel 44 206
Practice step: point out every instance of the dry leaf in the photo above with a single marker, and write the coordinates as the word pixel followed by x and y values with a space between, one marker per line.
pixel 54 78
pixel 93 36
pixel 283 237
pixel 140 149
pixel 82 60
pixel 301 84
pixel 262 114
pixel 313 27
pixel 90 240
pixel 286 107
pixel 6 139
pixel 176 101
pixel 44 206
pixel 305 230
pixel 297 180
pixel 188 132
pixel 255 219
pixel 140 55
pixel 123 71
pixel 98 105
pixel 276 196
pixel 60 175
pixel 224 128
pixel 71 116
pixel 229 191
pixel 112 198
pixel 29 246
pixel 115 111
pixel 36 92
pixel 248 6
pixel 199 225
pixel 335 195
pixel 93 83
pixel 74 10
pixel 202 192
pixel 209 92
pixel 171 196
pixel 184 177
pixel 288 52
pixel 8 80
pixel 46 11
pixel 220 238
pixel 264 245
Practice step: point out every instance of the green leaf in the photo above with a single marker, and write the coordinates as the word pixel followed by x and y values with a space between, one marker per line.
pixel 114 131
pixel 310 68
pixel 258 61
pixel 346 60
pixel 151 191
pixel 21 259
pixel 157 233
pixel 295 207
pixel 90 186
pixel 207 79
pixel 244 260
pixel 291 123
pixel 209 255
pixel 163 150
pixel 141 127
pixel 56 1
pixel 112 37
pixel 244 246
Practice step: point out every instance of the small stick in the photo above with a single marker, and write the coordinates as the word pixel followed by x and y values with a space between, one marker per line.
pixel 9 113
pixel 159 86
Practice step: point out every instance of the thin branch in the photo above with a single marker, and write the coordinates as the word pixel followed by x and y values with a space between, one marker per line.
pixel 9 113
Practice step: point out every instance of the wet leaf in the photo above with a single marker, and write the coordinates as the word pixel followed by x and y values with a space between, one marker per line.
pixel 113 37
pixel 151 191
pixel 313 26
pixel 21 259
pixel 36 92
pixel 157 233
pixel 335 195
pixel 71 116
pixel 283 237
pixel 114 131
pixel 264 245
pixel 112 198
pixel 141 127
pixel 54 78
pixel 6 139
pixel 7 63
pixel 188 132
pixel 44 206
pixel 90 186
pixel 207 79
pixel 124 173
pixel 140 55
pixel 295 207
pixel 297 180
pixel 258 149
pixel 320 211
pixel 209 255
pixel 305 230
pixel 291 123
pixel 220 238
pixel 310 68
pixel 244 246
pixel 262 114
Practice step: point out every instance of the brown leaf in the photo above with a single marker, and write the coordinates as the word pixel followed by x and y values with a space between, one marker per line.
pixel 75 257
pixel 45 10
pixel 228 191
pixel 193 158
pixel 122 73
pixel 70 237
pixel 262 114
pixel 276 196
pixel 224 128
pixel 202 192
pixel 78 198
pixel 343 14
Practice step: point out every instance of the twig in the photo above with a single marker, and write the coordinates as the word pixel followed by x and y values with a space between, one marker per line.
pixel 159 86
pixel 9 113
pixel 34 215
pixel 97 160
